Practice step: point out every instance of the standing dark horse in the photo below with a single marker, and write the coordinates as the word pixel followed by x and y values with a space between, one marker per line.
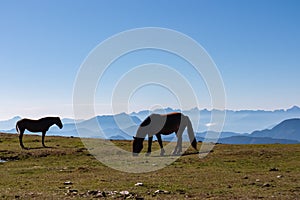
pixel 159 125
pixel 41 125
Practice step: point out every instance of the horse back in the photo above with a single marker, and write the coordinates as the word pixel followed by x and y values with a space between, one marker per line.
pixel 172 123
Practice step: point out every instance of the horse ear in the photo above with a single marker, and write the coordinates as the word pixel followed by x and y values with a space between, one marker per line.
pixel 134 137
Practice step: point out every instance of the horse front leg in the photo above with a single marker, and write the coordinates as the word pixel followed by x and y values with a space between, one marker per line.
pixel 150 139
pixel 43 139
pixel 162 151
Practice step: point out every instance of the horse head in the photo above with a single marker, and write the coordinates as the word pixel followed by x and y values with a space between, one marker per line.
pixel 137 145
pixel 58 122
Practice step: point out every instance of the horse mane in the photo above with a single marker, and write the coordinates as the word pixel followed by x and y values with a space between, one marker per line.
pixel 49 118
pixel 146 122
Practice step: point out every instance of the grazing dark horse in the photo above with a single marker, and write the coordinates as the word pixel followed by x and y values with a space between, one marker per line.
pixel 158 125
pixel 41 125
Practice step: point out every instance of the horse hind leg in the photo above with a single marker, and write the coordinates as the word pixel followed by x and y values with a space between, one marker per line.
pixel 162 151
pixel 178 148
pixel 21 132
pixel 43 139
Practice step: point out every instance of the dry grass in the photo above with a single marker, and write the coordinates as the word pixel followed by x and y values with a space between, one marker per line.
pixel 229 172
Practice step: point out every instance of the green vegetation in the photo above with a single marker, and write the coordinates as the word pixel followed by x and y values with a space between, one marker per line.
pixel 68 171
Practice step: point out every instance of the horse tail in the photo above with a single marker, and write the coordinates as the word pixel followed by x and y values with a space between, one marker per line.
pixel 20 132
pixel 191 133
pixel 17 128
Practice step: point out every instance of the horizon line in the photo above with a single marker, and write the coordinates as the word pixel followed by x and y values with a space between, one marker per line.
pixel 181 110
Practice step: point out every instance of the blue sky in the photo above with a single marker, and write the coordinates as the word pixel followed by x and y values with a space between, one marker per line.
pixel 255 45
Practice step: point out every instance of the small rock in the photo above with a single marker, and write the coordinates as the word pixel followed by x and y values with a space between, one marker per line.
pixel 245 177
pixel 130 196
pixel 68 183
pixel 125 193
pixel 31 194
pixel 266 185
pixel 279 176
pixel 162 192
pixel 73 191
pixel 100 194
pixel 93 192
pixel 257 180
pixel 103 194
pixel 139 184
pixel 158 191
pixel 274 169
pixel 82 194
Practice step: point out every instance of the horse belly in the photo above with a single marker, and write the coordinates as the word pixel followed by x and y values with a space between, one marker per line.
pixel 168 131
pixel 170 127
pixel 34 130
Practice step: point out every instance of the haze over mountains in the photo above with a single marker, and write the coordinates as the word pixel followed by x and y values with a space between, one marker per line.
pixel 241 127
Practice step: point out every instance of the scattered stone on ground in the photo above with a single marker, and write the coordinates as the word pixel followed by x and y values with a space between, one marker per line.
pixel 279 176
pixel 274 169
pixel 72 191
pixel 266 185
pixel 139 184
pixel 161 192
pixel 125 193
pixel 103 194
pixel 68 183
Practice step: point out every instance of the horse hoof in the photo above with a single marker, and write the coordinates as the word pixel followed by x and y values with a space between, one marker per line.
pixel 176 153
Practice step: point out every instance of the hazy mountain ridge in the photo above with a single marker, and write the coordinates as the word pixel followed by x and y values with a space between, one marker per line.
pixel 241 121
pixel 9 124
pixel 124 126
pixel 287 129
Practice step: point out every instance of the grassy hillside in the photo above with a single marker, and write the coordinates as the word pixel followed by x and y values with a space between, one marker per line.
pixel 68 171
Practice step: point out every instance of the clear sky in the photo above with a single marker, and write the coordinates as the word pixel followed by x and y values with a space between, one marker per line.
pixel 255 45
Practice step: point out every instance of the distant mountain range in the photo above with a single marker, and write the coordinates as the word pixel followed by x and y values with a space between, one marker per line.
pixel 9 124
pixel 279 126
pixel 288 129
pixel 242 121
pixel 286 132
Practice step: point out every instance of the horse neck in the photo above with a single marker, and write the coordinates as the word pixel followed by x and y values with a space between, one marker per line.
pixel 50 121
pixel 141 132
